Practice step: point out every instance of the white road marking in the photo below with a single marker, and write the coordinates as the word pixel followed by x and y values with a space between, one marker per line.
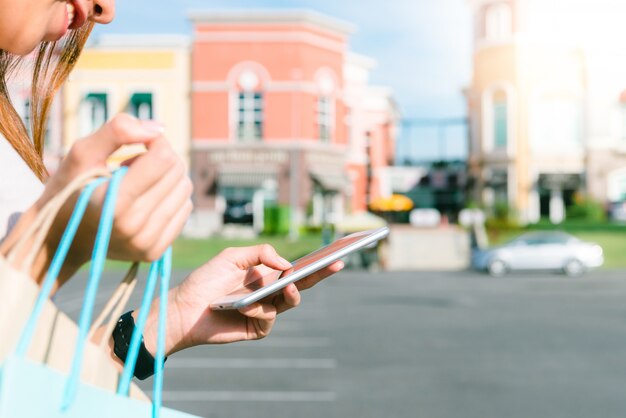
pixel 251 363
pixel 248 396
pixel 306 342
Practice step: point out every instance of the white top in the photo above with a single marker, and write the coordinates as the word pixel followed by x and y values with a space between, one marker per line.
pixel 19 187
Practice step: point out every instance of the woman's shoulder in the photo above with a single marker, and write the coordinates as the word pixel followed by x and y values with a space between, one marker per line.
pixel 19 187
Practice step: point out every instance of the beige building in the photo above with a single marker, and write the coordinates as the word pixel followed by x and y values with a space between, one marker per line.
pixel 527 110
pixel 147 76
pixel 547 105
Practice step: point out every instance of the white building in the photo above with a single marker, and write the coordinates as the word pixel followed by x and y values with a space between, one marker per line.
pixel 547 104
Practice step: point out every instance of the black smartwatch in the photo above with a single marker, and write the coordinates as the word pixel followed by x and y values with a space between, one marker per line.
pixel 122 334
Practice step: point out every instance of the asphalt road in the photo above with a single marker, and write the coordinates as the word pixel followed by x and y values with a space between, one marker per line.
pixel 432 345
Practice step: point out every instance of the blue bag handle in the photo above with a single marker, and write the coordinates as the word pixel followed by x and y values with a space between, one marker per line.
pixel 55 266
pixel 98 258
pixel 160 268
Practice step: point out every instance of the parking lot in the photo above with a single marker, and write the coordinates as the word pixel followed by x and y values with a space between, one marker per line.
pixel 420 345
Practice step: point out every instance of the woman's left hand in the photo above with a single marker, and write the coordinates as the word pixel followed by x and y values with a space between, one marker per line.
pixel 190 320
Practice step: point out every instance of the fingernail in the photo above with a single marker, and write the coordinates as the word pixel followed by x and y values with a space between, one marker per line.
pixel 284 262
pixel 152 127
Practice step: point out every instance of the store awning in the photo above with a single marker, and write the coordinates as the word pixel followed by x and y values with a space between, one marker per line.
pixel 141 98
pixel 331 180
pixel 560 181
pixel 245 176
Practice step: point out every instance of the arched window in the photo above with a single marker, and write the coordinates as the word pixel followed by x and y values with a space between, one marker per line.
pixel 141 105
pixel 94 112
pixel 498 22
pixel 500 120
pixel 325 107
pixel 249 108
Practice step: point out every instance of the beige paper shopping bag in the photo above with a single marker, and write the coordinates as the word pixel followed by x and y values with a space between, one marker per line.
pixel 55 335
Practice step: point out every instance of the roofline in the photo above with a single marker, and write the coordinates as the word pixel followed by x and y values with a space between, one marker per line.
pixel 267 16
pixel 361 60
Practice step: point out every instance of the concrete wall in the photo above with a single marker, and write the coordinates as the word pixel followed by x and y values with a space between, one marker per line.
pixel 440 249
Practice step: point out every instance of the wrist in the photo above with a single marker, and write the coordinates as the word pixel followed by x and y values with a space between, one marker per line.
pixel 175 339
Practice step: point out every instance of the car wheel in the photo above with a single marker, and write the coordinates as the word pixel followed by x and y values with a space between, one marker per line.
pixel 497 268
pixel 574 268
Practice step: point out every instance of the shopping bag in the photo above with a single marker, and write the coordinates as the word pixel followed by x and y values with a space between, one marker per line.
pixel 32 389
pixel 55 332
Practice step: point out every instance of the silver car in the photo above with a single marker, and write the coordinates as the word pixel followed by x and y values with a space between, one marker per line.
pixel 540 251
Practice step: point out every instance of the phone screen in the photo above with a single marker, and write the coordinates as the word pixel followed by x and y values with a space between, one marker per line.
pixel 304 262
pixel 324 253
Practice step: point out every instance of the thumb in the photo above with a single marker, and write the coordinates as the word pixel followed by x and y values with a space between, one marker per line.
pixel 122 130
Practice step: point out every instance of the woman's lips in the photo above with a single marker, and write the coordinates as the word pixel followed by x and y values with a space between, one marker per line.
pixel 80 15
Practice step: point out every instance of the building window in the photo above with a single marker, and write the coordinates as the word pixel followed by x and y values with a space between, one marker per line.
pixel 498 22
pixel 500 121
pixel 324 118
pixel 557 125
pixel 141 106
pixel 499 183
pixel 93 112
pixel 27 116
pixel 250 124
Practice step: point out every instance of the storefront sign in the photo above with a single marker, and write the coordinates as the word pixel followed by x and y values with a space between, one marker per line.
pixel 560 181
pixel 248 157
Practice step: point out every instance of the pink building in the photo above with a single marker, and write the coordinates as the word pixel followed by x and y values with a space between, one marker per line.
pixel 273 107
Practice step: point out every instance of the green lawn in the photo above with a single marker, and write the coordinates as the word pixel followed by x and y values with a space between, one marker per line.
pixel 613 243
pixel 191 253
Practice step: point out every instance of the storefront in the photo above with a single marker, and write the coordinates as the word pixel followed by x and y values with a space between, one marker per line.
pixel 236 183
pixel 556 192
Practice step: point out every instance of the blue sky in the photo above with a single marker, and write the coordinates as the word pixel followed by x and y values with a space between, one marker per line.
pixel 423 47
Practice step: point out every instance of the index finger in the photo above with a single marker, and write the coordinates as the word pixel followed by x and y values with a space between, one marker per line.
pixel 147 169
pixel 257 255
pixel 319 275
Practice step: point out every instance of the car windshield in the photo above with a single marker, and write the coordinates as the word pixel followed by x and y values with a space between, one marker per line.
pixel 540 239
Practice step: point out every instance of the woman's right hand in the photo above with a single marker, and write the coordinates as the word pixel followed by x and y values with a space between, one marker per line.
pixel 153 203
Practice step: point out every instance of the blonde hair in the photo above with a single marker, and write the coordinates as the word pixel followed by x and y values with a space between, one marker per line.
pixel 53 63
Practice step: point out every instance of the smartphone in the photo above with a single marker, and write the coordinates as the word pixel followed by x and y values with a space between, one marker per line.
pixel 301 268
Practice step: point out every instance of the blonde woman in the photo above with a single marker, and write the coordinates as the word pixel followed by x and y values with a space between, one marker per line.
pixel 154 200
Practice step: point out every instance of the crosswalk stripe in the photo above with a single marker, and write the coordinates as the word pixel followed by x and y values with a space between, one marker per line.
pixel 307 342
pixel 248 396
pixel 251 363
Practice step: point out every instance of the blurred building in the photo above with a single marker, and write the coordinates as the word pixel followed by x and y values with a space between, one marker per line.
pixel 19 85
pixel 372 124
pixel 606 112
pixel 146 76
pixel 283 116
pixel 526 104
pixel 547 104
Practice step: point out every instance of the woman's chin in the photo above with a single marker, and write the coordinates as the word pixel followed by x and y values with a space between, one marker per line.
pixel 21 50
pixel 53 37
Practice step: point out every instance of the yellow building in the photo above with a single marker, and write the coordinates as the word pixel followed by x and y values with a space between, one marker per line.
pixel 526 108
pixel 147 76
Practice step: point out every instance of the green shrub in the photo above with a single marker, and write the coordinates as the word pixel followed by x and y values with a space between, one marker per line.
pixel 502 217
pixel 585 209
